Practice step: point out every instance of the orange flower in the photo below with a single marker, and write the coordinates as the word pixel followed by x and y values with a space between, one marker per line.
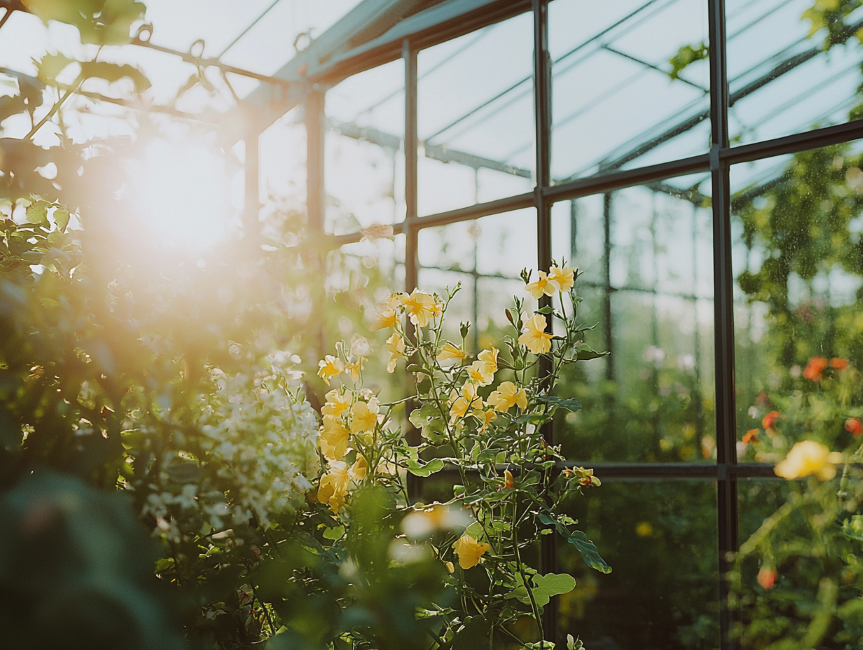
pixel 768 420
pixel 767 577
pixel 814 368
pixel 852 425
pixel 749 436
pixel 508 480
pixel 837 363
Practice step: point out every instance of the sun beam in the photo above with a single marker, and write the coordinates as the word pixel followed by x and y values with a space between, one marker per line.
pixel 183 193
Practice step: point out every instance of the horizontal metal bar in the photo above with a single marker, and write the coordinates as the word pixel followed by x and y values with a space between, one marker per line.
pixel 518 202
pixel 794 143
pixel 627 178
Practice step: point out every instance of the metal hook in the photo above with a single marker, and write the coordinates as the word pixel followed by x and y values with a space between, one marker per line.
pixel 144 30
pixel 199 46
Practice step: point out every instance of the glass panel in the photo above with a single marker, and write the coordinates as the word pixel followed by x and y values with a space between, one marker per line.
pixel 617 100
pixel 486 255
pixel 476 117
pixel 364 155
pixel 798 272
pixel 660 540
pixel 648 286
pixel 787 71
pixel 282 163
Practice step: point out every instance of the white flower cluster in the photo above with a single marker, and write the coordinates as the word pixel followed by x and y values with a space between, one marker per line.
pixel 256 456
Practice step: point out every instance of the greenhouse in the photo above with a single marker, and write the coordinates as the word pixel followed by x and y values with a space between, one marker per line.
pixel 435 324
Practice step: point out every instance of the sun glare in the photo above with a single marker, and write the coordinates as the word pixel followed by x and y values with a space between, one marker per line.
pixel 184 194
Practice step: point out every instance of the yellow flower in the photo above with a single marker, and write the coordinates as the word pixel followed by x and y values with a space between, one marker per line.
pixel 336 403
pixel 396 300
pixel 468 400
pixel 334 485
pixel 387 318
pixel 364 416
pixel 544 285
pixel 506 396
pixel 334 439
pixel 481 371
pixel 809 457
pixel 396 348
pixel 421 307
pixel 329 367
pixel 449 351
pixel 469 551
pixel 564 277
pixel 508 480
pixel 488 417
pixel 535 338
pixel 353 369
pixel 479 374
pixel 359 469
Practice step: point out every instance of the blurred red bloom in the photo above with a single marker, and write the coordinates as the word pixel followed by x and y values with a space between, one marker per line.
pixel 768 420
pixel 852 425
pixel 838 363
pixel 767 577
pixel 814 368
pixel 749 436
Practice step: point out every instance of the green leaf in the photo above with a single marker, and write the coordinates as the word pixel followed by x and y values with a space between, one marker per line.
pixel 568 404
pixel 112 72
pixel 61 217
pixel 334 533
pixel 432 467
pixel 37 212
pixel 472 635
pixel 183 472
pixel 50 67
pixel 586 353
pixel 588 552
pixel 544 587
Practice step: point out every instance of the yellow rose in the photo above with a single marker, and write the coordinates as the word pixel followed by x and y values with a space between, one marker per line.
pixel 535 338
pixel 806 458
pixel 469 551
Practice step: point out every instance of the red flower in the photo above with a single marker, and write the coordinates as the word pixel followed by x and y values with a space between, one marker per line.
pixel 768 420
pixel 814 368
pixel 852 425
pixel 838 363
pixel 749 436
pixel 767 577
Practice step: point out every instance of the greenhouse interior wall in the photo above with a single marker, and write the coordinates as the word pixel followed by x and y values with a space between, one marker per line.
pixel 462 141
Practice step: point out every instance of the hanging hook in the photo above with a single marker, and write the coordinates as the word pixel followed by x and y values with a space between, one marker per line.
pixel 197 49
pixel 144 33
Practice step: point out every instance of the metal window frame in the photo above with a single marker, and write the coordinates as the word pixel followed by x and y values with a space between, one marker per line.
pixel 718 161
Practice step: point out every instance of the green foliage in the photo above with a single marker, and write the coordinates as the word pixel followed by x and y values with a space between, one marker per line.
pixel 686 56
pixel 100 22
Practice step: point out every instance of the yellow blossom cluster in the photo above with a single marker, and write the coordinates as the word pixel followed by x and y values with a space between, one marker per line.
pixel 346 413
pixel 809 458
pixel 557 279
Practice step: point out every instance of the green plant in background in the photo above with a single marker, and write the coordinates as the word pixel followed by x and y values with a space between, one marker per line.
pixel 485 427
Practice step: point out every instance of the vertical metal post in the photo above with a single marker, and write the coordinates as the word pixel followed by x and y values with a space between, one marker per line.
pixel 315 142
pixel 409 55
pixel 251 168
pixel 606 281
pixel 542 116
pixel 726 426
